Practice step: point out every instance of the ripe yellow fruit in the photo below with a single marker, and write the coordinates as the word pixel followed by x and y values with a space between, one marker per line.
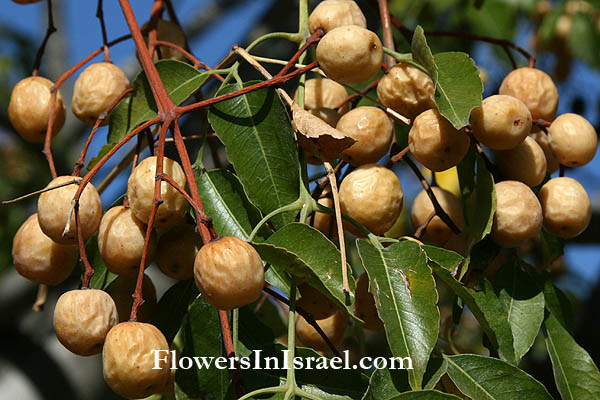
pixel 315 302
pixel 435 143
pixel 322 93
pixel 372 195
pixel 330 14
pixel 406 90
pixel 229 273
pixel 350 54
pixel 176 252
pixel 437 231
pixel 542 140
pixel 140 192
pixel 40 259
pixel 96 88
pixel 535 88
pixel 167 31
pixel 128 360
pixel 334 327
pixel 121 291
pixel 324 222
pixel 55 206
pixel 566 206
pixel 364 305
pixel 501 123
pixel 525 163
pixel 573 140
pixel 518 215
pixel 82 319
pixel 373 131
pixel 29 108
pixel 121 241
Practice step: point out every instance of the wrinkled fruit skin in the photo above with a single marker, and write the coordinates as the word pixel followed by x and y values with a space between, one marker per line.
pixel 54 208
pixel 373 131
pixel 229 273
pixel 364 305
pixel 501 123
pixel 330 14
pixel 350 54
pixel 29 108
pixel 315 302
pixel 96 89
pixel 406 90
pixel 140 191
pixel 542 140
pixel 322 93
pixel 437 231
pixel 127 360
pixel 518 215
pixel 525 163
pixel 573 140
pixel 82 319
pixel 167 31
pixel 334 327
pixel 372 195
pixel 535 88
pixel 566 206
pixel 121 290
pixel 176 252
pixel 121 241
pixel 435 143
pixel 40 259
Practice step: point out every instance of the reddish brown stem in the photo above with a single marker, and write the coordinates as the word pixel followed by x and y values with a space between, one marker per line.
pixel 155 14
pixel 49 31
pixel 100 16
pixel 421 229
pixel 197 63
pixel 360 94
pixel 89 271
pixel 314 38
pixel 399 155
pixel 48 138
pixel 386 26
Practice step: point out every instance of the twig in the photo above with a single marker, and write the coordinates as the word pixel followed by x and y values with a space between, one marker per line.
pixel 40 300
pixel 399 155
pixel 100 16
pixel 421 229
pixel 338 220
pixel 386 26
pixel 49 31
pixel 74 181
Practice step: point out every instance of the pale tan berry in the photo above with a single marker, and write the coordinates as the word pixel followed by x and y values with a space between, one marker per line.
pixel 573 140
pixel 128 360
pixel 82 319
pixel 566 206
pixel 334 327
pixel 229 273
pixel 176 252
pixel 535 88
pixel 39 258
pixel 121 291
pixel 406 90
pixel 55 209
pixel 372 195
pixel 29 108
pixel 140 192
pixel 330 14
pixel 331 117
pixel 501 123
pixel 525 163
pixel 542 140
pixel 167 31
pixel 315 302
pixel 322 221
pixel 364 304
pixel 121 241
pixel 373 131
pixel 437 231
pixel 323 93
pixel 350 54
pixel 518 215
pixel 96 88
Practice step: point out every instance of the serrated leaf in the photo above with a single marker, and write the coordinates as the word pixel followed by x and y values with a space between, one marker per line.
pixel 304 251
pixel 258 135
pixel 425 395
pixel 466 174
pixel 485 378
pixel 444 258
pixel 484 204
pixel 436 368
pixel 386 384
pixel 575 373
pixel 559 305
pixel 422 53
pixel 523 302
pixel 103 150
pixel 173 306
pixel 406 299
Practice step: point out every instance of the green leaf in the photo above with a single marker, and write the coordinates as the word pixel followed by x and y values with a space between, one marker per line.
pixel 406 300
pixel 422 53
pixel 482 214
pixel 466 174
pixel 202 337
pixel 304 251
pixel 485 378
pixel 102 277
pixel 559 305
pixel 487 309
pixel 103 150
pixel 173 306
pixel 386 384
pixel 523 301
pixel 425 395
pixel 575 373
pixel 258 135
pixel 444 258
pixel 552 247
pixel 436 368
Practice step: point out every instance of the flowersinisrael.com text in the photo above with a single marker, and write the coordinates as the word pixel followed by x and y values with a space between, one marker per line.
pixel 257 361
